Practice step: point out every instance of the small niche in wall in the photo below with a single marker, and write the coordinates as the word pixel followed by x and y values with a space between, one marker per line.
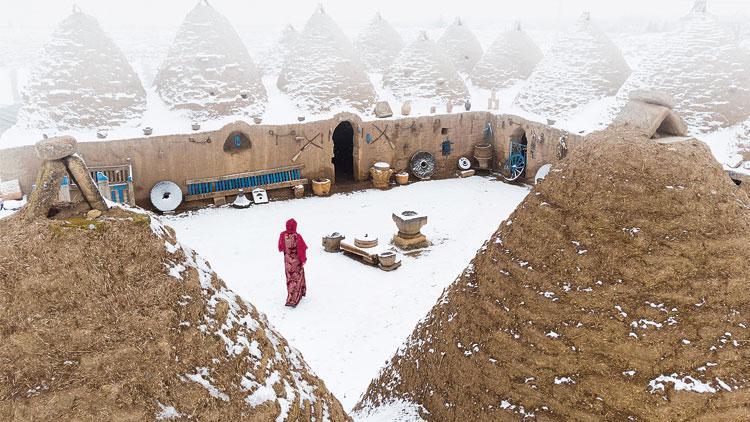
pixel 236 142
pixel 444 131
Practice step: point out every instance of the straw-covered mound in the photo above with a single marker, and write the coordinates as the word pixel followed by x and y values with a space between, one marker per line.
pixel 324 73
pixel 378 44
pixel 81 81
pixel 617 290
pixel 271 61
pixel 461 45
pixel 422 70
pixel 510 59
pixel 112 319
pixel 583 65
pixel 208 70
pixel 701 64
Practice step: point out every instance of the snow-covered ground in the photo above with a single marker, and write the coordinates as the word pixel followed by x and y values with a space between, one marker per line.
pixel 354 316
pixel 10 207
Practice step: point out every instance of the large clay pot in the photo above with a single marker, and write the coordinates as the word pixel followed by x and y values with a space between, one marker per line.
pixel 332 242
pixel 406 108
pixel 321 187
pixel 402 178
pixel 483 153
pixel 381 175
pixel 409 224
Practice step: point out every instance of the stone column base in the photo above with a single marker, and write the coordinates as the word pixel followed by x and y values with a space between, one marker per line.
pixel 413 243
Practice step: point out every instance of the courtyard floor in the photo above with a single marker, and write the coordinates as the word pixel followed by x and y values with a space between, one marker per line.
pixel 354 316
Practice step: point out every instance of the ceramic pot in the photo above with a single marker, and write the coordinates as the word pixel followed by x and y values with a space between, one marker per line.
pixel 381 175
pixel 299 191
pixel 387 259
pixel 402 178
pixel 321 187
pixel 483 154
pixel 332 242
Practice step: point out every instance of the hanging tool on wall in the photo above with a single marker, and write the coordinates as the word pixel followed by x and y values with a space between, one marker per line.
pixel 488 134
pixel 309 142
pixel 384 134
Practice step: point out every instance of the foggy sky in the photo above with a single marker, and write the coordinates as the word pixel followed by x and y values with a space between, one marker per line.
pixel 20 13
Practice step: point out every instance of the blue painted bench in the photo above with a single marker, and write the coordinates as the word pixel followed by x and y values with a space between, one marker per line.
pixel 229 185
pixel 120 178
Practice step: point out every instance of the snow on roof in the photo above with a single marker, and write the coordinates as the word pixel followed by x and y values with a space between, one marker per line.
pixel 82 79
pixel 582 65
pixel 701 64
pixel 509 59
pixel 208 69
pixel 461 45
pixel 271 61
pixel 378 44
pixel 422 70
pixel 324 73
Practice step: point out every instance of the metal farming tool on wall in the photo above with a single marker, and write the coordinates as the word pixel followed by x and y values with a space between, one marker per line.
pixel 382 134
pixel 309 142
pixel 515 164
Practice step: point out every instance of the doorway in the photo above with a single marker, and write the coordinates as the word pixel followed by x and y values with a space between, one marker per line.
pixel 514 167
pixel 343 151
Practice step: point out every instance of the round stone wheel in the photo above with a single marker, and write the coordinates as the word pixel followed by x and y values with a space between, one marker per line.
pixel 166 196
pixel 422 165
pixel 464 163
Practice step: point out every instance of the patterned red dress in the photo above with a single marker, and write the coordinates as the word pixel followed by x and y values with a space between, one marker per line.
pixel 294 248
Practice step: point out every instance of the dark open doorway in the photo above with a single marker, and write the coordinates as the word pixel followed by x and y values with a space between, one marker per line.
pixel 343 151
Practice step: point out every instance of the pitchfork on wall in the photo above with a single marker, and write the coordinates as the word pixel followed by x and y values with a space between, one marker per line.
pixel 309 142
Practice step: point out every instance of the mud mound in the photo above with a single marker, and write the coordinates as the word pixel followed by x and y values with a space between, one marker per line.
pixel 81 80
pixel 617 289
pixel 112 319
pixel 208 70
pixel 323 72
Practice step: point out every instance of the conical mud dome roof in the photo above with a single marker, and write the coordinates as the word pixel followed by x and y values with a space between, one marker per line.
pixel 461 45
pixel 118 314
pixel 583 65
pixel 422 70
pixel 82 81
pixel 594 301
pixel 208 70
pixel 324 73
pixel 704 68
pixel 378 44
pixel 272 60
pixel 511 58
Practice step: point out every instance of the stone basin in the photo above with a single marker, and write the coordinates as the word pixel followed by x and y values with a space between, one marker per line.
pixel 409 223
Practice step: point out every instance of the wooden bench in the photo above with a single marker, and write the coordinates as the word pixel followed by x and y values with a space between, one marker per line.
pixel 120 179
pixel 229 185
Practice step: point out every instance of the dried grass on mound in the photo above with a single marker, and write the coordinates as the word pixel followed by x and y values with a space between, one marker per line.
pixel 618 289
pixel 113 320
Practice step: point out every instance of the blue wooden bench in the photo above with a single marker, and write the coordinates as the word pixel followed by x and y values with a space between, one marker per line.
pixel 120 178
pixel 229 185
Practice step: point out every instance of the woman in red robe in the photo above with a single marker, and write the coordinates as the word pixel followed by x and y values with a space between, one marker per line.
pixel 295 256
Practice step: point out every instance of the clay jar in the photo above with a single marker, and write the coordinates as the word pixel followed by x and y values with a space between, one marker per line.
pixel 402 178
pixel 381 175
pixel 321 187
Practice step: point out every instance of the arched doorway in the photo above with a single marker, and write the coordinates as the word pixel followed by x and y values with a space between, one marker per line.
pixel 343 151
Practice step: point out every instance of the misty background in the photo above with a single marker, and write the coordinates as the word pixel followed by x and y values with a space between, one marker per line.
pixel 144 29
pixel 41 13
